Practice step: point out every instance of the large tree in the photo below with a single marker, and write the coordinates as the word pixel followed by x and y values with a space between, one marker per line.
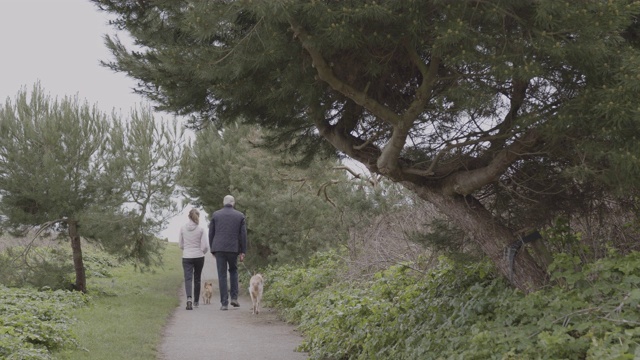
pixel 69 166
pixel 464 102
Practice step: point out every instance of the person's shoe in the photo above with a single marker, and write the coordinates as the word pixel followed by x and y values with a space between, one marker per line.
pixel 224 307
pixel 234 303
pixel 195 304
pixel 189 307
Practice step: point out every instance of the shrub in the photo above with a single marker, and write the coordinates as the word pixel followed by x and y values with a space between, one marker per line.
pixel 49 267
pixel 34 323
pixel 465 312
pixel 288 285
pixel 372 319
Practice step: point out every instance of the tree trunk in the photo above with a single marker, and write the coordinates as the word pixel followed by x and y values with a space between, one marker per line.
pixel 78 264
pixel 493 238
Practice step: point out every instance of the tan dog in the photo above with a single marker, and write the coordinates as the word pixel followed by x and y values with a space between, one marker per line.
pixel 208 292
pixel 256 285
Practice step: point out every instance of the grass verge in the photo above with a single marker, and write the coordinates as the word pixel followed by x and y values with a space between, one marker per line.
pixel 127 312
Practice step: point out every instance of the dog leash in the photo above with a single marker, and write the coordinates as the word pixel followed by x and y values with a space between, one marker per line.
pixel 246 268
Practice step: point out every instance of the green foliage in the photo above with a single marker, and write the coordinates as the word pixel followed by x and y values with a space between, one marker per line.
pixel 150 156
pixel 579 63
pixel 527 109
pixel 126 235
pixel 205 168
pixel 446 239
pixel 35 323
pixel 288 285
pixel 379 313
pixel 465 312
pixel 53 156
pixel 100 264
pixel 58 324
pixel 67 165
pixel 291 211
pixel 44 267
pixel 37 267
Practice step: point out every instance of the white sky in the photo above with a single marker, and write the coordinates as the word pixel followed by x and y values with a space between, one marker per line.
pixel 60 43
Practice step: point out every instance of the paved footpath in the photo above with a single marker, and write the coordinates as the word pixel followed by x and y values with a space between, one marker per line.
pixel 207 332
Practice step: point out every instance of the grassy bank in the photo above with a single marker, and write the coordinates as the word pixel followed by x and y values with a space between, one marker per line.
pixel 127 312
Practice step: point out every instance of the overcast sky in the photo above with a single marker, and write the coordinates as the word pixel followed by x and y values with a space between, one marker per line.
pixel 60 44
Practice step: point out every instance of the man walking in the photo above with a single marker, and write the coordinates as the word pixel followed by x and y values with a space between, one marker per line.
pixel 228 241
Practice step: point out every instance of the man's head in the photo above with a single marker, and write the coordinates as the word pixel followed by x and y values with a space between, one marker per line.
pixel 229 200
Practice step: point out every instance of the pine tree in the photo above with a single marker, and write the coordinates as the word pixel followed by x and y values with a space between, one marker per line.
pixel 462 102
pixel 288 216
pixel 65 164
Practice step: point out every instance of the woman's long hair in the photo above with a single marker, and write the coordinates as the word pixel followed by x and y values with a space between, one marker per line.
pixel 194 215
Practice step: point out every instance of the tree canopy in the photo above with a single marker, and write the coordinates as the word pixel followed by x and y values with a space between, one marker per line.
pixel 66 165
pixel 291 211
pixel 463 102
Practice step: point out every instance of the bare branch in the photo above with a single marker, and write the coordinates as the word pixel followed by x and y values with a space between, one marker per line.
pixel 41 229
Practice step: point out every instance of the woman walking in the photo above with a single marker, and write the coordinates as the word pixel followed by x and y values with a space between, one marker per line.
pixel 194 244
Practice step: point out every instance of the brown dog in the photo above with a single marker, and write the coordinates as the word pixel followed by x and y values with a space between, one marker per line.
pixel 208 292
pixel 256 285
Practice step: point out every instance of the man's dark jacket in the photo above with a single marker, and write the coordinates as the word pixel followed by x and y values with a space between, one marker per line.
pixel 228 231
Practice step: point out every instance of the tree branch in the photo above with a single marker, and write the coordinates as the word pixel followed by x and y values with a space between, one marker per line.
pixel 466 182
pixel 326 74
pixel 348 144
pixel 388 160
pixel 431 171
pixel 429 75
pixel 518 95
